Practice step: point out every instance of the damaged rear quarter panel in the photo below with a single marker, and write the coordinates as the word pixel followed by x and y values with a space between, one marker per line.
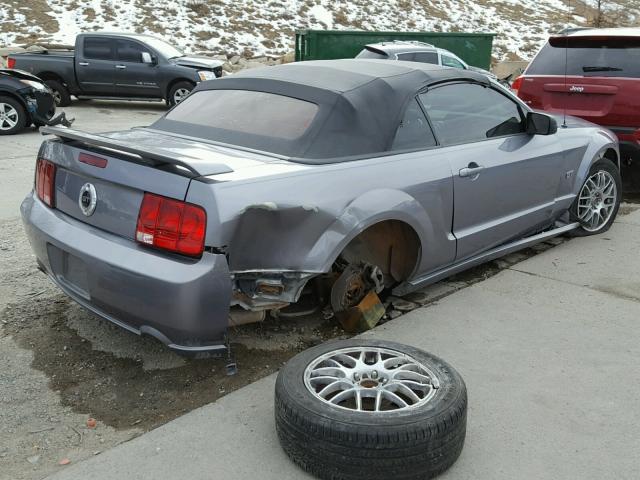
pixel 300 220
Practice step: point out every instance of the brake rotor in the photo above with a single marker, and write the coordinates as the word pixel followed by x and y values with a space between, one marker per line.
pixel 349 289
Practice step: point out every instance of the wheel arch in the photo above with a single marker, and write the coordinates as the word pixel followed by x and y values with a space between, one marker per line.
pixel 14 96
pixel 594 152
pixel 385 207
pixel 46 75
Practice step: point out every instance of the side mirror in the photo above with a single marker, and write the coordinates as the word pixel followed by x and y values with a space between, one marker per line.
pixel 147 58
pixel 541 124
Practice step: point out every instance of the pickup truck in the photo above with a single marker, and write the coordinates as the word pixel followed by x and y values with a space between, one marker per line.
pixel 118 66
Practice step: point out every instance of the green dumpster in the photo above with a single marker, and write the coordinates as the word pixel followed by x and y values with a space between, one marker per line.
pixel 473 48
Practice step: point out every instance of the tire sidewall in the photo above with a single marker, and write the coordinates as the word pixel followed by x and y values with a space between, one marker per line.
pixel 609 167
pixel 172 91
pixel 22 116
pixel 290 382
pixel 65 96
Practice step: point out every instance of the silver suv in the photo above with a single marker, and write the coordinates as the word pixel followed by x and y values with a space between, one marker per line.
pixel 413 51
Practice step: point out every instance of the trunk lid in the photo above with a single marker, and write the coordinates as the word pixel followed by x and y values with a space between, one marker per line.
pixel 116 169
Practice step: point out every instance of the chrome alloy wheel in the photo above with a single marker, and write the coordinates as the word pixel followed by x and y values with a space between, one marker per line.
pixel 8 116
pixel 597 201
pixel 370 379
pixel 180 94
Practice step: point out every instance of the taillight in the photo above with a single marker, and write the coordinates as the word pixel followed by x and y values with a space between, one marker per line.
pixel 46 181
pixel 171 225
pixel 516 85
pixel 11 62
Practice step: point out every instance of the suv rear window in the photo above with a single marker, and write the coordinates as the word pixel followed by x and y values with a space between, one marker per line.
pixel 588 57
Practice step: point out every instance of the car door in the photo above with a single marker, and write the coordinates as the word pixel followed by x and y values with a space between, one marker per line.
pixel 133 77
pixel 94 68
pixel 505 180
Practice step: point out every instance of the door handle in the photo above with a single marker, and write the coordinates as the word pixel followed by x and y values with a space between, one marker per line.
pixel 83 64
pixel 471 170
pixel 121 67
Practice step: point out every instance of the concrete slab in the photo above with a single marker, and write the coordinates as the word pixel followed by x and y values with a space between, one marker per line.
pixel 550 365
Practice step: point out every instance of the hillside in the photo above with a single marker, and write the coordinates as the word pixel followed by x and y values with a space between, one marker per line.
pixel 259 27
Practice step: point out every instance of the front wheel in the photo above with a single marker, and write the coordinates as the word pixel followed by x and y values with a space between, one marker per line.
pixel 179 92
pixel 13 117
pixel 597 204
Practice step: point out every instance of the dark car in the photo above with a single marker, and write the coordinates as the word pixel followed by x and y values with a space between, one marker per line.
pixel 24 100
pixel 593 74
pixel 366 176
pixel 118 65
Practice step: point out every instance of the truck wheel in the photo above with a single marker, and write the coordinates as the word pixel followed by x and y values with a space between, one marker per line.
pixel 13 117
pixel 179 92
pixel 597 204
pixel 60 93
pixel 379 410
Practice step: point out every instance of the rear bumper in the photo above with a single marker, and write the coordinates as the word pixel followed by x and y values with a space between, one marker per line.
pixel 183 303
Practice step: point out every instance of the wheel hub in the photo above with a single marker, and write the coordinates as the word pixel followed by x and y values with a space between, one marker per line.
pixel 597 201
pixel 370 379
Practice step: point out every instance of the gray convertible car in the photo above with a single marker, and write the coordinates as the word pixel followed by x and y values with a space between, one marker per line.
pixel 357 174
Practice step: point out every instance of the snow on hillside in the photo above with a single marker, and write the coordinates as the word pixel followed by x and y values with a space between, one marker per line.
pixel 258 27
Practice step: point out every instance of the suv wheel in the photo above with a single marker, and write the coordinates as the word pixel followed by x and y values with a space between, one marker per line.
pixel 357 409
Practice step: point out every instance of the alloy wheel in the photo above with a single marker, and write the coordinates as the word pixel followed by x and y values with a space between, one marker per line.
pixel 8 116
pixel 597 201
pixel 180 94
pixel 370 379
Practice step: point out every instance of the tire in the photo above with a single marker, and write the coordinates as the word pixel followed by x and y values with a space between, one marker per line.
pixel 175 90
pixel 13 116
pixel 579 210
pixel 337 443
pixel 60 92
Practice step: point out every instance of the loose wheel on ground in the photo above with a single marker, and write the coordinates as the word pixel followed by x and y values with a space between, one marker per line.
pixel 357 409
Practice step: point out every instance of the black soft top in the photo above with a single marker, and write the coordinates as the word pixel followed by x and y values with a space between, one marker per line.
pixel 360 104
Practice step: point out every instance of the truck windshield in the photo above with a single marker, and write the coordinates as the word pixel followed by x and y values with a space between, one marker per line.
pixel 163 48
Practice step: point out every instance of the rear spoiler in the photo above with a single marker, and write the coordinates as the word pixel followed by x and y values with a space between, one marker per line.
pixel 198 167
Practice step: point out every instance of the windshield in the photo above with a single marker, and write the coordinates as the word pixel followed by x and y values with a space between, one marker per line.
pixel 162 47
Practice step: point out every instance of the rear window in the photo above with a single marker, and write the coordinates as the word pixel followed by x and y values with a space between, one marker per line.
pixel 588 57
pixel 369 52
pixel 258 120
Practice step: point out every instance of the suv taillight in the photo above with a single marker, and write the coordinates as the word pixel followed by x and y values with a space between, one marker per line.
pixel 516 85
pixel 45 183
pixel 171 225
pixel 11 62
